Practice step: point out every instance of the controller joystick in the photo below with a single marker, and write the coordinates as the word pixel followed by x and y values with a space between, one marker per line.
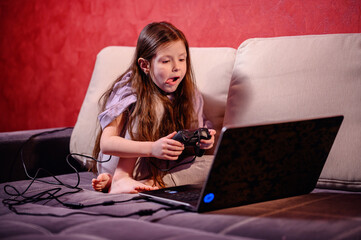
pixel 193 138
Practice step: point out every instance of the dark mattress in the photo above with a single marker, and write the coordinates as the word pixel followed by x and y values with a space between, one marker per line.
pixel 323 214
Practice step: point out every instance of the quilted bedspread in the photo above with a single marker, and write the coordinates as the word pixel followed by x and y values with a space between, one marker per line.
pixel 323 214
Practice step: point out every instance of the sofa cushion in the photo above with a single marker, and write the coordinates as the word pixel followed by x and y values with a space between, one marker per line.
pixel 212 69
pixel 292 78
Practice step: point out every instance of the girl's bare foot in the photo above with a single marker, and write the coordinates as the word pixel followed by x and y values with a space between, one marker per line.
pixel 129 185
pixel 102 182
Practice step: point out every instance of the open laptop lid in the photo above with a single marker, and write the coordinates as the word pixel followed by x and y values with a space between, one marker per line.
pixel 266 162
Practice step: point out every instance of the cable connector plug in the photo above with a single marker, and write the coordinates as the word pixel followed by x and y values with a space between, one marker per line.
pixel 74 205
pixel 107 203
pixel 146 212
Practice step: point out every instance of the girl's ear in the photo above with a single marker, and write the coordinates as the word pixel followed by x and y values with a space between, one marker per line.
pixel 144 65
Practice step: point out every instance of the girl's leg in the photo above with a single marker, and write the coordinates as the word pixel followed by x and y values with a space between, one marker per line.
pixel 123 182
pixel 106 169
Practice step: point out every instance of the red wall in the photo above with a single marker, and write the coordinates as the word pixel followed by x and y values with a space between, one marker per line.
pixel 48 47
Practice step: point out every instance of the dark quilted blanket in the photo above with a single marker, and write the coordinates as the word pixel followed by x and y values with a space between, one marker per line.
pixel 323 214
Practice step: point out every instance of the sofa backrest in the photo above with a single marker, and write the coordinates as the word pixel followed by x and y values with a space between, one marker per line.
pixel 271 80
pixel 292 78
pixel 212 69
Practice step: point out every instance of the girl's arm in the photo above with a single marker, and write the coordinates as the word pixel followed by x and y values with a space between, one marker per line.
pixel 112 144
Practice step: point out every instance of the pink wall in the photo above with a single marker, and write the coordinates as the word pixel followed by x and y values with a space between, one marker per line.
pixel 48 47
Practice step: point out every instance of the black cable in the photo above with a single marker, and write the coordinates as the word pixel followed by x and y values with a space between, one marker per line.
pixel 143 212
pixel 50 194
pixel 21 148
pixel 20 152
pixel 89 157
pixel 105 203
pixel 21 198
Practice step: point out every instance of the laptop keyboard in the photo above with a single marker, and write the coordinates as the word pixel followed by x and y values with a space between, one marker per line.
pixel 188 196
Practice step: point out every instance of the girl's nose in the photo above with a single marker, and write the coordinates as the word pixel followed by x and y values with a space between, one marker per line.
pixel 175 67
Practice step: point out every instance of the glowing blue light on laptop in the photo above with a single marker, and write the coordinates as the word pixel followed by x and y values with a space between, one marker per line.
pixel 171 191
pixel 208 198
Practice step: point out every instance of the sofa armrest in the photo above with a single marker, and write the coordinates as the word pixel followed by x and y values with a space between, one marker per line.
pixel 45 148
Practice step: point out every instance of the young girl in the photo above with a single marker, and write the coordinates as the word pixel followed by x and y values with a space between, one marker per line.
pixel 143 110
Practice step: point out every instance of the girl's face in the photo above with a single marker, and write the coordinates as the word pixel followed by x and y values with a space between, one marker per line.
pixel 169 66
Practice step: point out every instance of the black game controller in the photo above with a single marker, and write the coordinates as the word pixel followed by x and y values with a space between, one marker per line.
pixel 193 138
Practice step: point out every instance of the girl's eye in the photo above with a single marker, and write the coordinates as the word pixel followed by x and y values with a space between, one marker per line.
pixel 182 60
pixel 165 61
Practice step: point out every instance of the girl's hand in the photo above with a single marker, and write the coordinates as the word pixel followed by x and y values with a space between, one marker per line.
pixel 167 148
pixel 208 144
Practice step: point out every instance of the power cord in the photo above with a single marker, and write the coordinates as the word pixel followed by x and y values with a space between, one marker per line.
pixel 22 146
pixel 143 212
pixel 55 193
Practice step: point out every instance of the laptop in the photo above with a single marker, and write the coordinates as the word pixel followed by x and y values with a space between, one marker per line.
pixel 258 163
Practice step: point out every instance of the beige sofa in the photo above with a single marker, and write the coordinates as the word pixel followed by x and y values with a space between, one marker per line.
pixel 264 80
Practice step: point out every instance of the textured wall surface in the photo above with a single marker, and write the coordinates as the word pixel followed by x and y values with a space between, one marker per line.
pixel 48 48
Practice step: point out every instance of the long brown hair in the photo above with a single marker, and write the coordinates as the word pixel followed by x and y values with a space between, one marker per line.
pixel 179 113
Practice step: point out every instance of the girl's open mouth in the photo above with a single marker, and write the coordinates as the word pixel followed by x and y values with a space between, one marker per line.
pixel 172 80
